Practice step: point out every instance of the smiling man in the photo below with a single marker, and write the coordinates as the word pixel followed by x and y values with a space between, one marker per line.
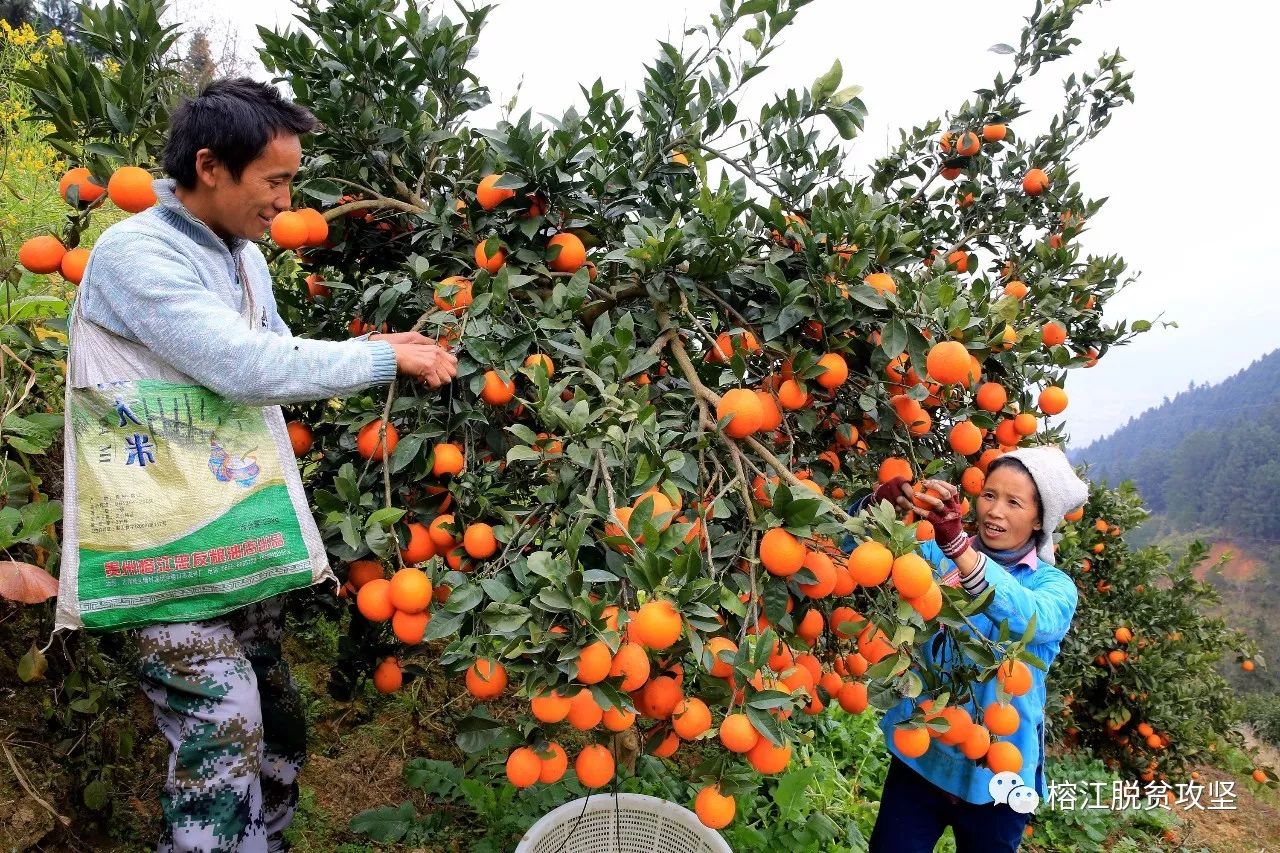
pixel 181 293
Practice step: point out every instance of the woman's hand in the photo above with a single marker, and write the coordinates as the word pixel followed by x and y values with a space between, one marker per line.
pixel 396 338
pixel 896 491
pixel 428 363
pixel 943 502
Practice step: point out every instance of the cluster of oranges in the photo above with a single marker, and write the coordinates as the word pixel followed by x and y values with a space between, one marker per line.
pixel 128 189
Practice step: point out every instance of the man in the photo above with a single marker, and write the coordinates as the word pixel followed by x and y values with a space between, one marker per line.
pixel 184 282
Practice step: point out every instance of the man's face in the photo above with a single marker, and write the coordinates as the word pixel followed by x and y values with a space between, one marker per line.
pixel 246 207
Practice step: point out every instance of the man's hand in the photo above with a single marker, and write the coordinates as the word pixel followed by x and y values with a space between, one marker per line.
pixel 396 338
pixel 427 362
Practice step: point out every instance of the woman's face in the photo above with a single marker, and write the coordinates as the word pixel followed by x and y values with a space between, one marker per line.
pixel 1008 509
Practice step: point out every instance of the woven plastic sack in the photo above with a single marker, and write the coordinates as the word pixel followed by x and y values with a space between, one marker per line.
pixel 180 505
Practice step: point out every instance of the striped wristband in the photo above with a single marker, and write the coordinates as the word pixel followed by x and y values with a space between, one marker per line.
pixel 976 582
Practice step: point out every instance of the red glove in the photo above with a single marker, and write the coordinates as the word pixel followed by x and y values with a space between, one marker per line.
pixel 948 527
pixel 890 491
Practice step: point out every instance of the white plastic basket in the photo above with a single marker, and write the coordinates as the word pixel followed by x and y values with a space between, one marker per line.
pixel 621 823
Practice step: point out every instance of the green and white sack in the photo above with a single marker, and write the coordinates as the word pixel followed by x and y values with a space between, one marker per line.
pixel 180 505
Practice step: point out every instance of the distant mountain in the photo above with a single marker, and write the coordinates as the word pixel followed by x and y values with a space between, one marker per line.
pixel 1209 457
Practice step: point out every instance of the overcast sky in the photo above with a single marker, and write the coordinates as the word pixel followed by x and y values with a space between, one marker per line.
pixel 1188 208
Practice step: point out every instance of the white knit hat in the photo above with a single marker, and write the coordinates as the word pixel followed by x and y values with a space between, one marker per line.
pixel 1060 490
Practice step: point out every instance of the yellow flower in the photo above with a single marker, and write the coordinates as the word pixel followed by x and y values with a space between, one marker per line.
pixel 37 58
pixel 55 38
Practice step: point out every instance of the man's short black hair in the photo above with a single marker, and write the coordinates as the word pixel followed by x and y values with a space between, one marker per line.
pixel 235 118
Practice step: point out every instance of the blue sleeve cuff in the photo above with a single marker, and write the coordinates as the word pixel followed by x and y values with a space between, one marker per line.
pixel 384 363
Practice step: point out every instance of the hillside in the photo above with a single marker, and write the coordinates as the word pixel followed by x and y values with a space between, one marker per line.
pixel 1207 457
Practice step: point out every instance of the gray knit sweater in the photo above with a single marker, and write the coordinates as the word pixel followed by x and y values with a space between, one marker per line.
pixel 164 280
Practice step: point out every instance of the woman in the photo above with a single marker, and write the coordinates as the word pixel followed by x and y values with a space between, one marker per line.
pixel 1025 495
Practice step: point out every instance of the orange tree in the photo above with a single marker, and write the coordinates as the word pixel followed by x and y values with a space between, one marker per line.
pixel 686 340
pixel 1136 683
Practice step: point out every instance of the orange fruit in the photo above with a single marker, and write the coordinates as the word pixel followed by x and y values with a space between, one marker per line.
pixel 594 662
pixel 360 572
pixel 289 230
pixel 991 397
pixel 690 718
pixel 73 265
pixel 1007 433
pixel 912 575
pixel 1247 665
pixel 1035 182
pixel 410 627
pixel 1004 757
pixel 420 548
pixel 837 371
pixel 550 707
pixel 976 744
pixel 1016 289
pixel 792 396
pixel 781 553
pixel 370 441
pixel 870 563
pixel 967 144
pixel 618 720
pixel 948 362
pixel 130 189
pixel 965 438
pixel 547 364
pixel 738 734
pixel 447 460
pixel 1259 776
pixel 972 480
pixel 374 600
pixel 42 254
pixel 1053 400
pixel 993 132
pixel 594 766
pixel 893 466
pixel 572 253
pixel 712 651
pixel 299 437
pixel 771 415
pixel 387 677
pixel 668 746
pixel 853 697
pixel 488 196
pixel 658 698
pixel 479 542
pixel 656 625
pixel 498 390
pixel 584 712
pixel 1053 333
pixel 960 724
pixel 453 294
pixel 881 282
pixel 79 177
pixel 910 741
pixel 410 590
pixel 554 764
pixel 1014 677
pixel 824 570
pixel 1001 718
pixel 523 767
pixel 929 604
pixel 767 758
pixel 632 663
pixel 490 263
pixel 742 407
pixel 440 536
pixel 486 678
pixel 1024 423
pixel 713 808
pixel 317 226
pixel 873 644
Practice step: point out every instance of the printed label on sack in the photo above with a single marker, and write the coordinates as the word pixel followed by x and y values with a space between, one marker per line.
pixel 180 493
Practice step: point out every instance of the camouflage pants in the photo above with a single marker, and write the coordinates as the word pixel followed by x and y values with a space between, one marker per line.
pixel 224 699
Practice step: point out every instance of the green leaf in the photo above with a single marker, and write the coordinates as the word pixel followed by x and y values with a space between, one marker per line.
pixel 825 86
pixel 96 794
pixel 766 724
pixel 506 618
pixel 32 665
pixel 477 732
pixel 384 517
pixel 791 787
pixel 443 624
pixel 387 824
